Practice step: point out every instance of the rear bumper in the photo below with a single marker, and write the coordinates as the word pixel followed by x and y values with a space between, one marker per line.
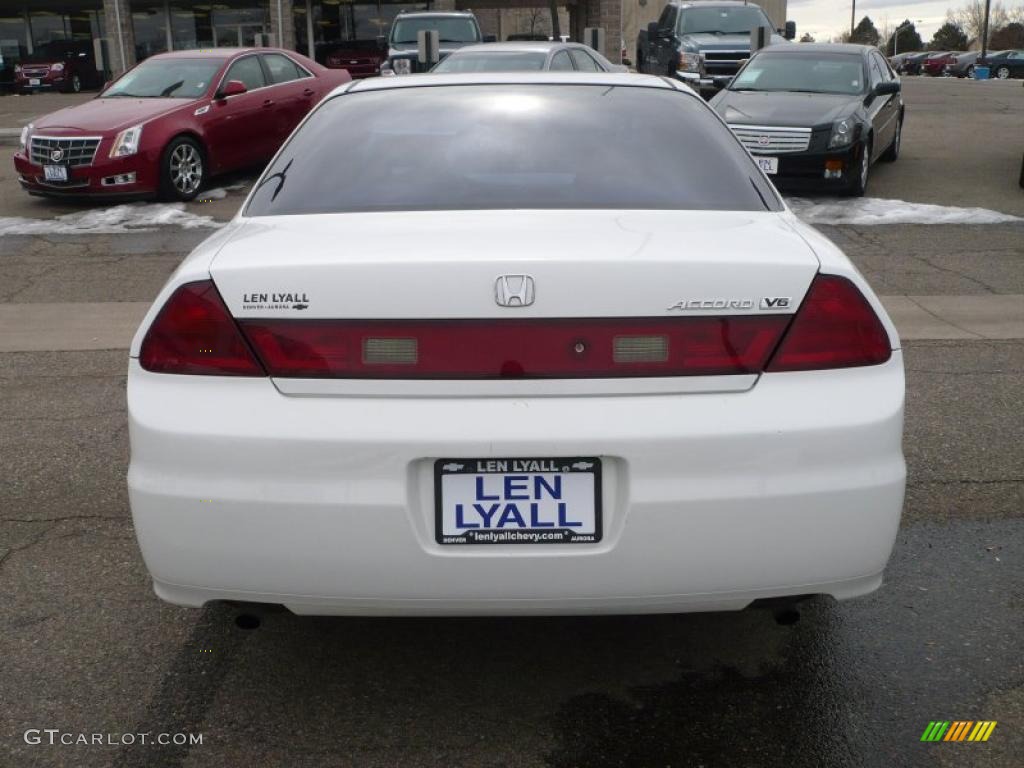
pixel 325 504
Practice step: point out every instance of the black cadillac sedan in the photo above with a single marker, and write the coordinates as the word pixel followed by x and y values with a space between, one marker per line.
pixel 816 117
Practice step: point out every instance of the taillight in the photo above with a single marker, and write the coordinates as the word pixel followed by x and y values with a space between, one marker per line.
pixel 504 349
pixel 194 333
pixel 835 327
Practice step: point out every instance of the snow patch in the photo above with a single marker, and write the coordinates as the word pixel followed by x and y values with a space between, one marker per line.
pixel 867 211
pixel 113 220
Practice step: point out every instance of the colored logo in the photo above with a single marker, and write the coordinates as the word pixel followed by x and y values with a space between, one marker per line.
pixel 958 730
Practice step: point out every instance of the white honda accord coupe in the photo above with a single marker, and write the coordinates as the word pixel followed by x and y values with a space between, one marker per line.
pixel 515 344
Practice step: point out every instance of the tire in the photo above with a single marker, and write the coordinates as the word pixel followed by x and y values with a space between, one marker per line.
pixel 859 184
pixel 75 86
pixel 893 152
pixel 970 71
pixel 182 169
pixel 1003 73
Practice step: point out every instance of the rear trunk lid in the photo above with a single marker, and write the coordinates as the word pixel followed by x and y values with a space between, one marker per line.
pixel 428 266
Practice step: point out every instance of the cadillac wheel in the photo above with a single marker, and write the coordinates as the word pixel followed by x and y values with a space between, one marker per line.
pixel 182 170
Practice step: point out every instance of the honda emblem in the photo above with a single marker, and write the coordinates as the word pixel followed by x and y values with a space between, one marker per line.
pixel 514 290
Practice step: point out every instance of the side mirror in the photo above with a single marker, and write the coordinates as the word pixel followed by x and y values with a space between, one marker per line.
pixel 652 31
pixel 232 88
pixel 790 33
pixel 887 88
pixel 490 38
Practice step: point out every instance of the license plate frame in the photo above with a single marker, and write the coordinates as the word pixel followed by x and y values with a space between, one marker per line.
pixel 55 172
pixel 770 165
pixel 548 533
pixel 34 81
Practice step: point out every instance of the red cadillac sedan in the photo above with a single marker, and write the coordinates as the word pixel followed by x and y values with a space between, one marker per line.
pixel 167 125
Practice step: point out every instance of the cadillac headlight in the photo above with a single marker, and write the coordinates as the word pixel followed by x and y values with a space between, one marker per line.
pixel 689 62
pixel 402 66
pixel 26 135
pixel 127 142
pixel 58 67
pixel 842 134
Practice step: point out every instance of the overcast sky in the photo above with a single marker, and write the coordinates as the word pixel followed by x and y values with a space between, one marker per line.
pixel 823 18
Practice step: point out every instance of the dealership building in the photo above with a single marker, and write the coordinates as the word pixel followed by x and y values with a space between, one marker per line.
pixel 127 31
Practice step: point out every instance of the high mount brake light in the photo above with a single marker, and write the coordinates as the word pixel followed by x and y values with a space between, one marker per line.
pixel 195 334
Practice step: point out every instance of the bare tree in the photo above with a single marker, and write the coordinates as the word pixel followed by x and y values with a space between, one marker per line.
pixel 971 18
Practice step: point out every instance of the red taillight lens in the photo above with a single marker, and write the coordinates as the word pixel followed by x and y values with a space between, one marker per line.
pixel 504 349
pixel 835 327
pixel 194 333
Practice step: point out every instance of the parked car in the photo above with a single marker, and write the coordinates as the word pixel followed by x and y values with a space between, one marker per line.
pixel 935 63
pixel 816 116
pixel 1005 64
pixel 912 64
pixel 702 43
pixel 896 62
pixel 61 65
pixel 526 57
pixel 361 58
pixel 455 29
pixel 603 376
pixel 171 122
pixel 962 64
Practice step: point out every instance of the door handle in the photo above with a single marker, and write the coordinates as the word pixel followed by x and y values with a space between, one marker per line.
pixel 309 92
pixel 268 103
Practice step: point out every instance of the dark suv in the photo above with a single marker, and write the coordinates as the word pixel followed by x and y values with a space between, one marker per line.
pixel 61 65
pixel 455 29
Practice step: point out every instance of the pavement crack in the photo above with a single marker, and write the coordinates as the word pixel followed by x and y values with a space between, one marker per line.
pixel 958 273
pixel 27 545
pixel 61 519
pixel 943 319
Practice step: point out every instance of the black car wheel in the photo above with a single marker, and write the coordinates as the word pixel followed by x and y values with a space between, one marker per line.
pixel 893 151
pixel 1003 72
pixel 182 170
pixel 75 86
pixel 970 71
pixel 859 179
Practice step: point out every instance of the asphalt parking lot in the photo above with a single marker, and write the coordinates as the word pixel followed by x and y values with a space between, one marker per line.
pixel 86 648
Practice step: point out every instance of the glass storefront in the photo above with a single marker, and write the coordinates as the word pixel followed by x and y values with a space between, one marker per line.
pixel 164 25
pixel 338 21
pixel 25 26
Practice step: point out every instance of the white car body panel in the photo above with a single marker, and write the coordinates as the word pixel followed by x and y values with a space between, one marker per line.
pixel 318 494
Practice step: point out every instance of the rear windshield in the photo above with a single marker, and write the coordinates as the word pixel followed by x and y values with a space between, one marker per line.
pixel 451 29
pixel 475 147
pixel 492 62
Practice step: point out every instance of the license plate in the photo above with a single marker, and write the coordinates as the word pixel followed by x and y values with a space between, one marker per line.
pixel 769 165
pixel 33 81
pixel 55 172
pixel 518 501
